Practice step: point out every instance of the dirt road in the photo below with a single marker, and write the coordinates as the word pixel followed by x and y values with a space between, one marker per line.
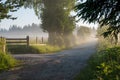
pixel 63 65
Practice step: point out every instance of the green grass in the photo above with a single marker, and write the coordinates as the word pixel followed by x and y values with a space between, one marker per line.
pixel 46 48
pixel 105 65
pixel 17 49
pixel 6 61
pixel 22 49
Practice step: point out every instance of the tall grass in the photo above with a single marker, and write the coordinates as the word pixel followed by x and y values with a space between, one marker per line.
pixel 6 61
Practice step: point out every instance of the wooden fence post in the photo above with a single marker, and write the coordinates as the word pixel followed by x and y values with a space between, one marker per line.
pixel 42 40
pixel 36 40
pixel 3 44
pixel 27 40
pixel 4 48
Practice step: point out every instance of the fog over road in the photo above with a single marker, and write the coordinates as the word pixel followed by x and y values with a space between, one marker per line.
pixel 62 65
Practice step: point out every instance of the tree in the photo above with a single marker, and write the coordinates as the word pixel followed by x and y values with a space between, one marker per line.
pixel 105 12
pixel 60 25
pixel 56 19
pixel 9 6
pixel 113 33
pixel 83 32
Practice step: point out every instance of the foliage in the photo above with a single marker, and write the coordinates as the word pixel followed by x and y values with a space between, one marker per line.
pixel 84 32
pixel 113 31
pixel 23 49
pixel 6 61
pixel 105 65
pixel 7 6
pixel 104 43
pixel 109 33
pixel 102 39
pixel 101 30
pixel 105 12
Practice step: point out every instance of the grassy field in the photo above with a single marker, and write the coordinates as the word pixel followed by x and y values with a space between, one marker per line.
pixel 41 49
pixel 104 65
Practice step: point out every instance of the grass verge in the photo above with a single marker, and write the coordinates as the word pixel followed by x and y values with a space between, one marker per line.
pixel 23 49
pixel 45 49
pixel 6 61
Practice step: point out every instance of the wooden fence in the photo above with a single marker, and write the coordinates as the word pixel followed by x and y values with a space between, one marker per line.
pixel 17 41
pixel 12 41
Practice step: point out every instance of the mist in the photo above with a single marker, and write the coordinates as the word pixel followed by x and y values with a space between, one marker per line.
pixel 82 35
pixel 15 31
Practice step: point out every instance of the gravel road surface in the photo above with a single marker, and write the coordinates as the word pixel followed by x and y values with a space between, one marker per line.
pixel 62 65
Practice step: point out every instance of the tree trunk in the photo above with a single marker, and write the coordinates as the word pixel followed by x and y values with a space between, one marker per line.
pixel 59 39
pixel 116 39
pixel 69 40
pixel 56 39
pixel 51 39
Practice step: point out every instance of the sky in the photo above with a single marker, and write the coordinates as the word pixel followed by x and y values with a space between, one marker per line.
pixel 24 17
pixel 27 16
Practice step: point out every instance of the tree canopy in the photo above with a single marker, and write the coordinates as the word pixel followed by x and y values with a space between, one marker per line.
pixel 7 6
pixel 56 18
pixel 106 12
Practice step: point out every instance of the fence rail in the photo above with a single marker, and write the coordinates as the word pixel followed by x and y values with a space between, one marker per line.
pixel 13 41
pixel 16 38
pixel 20 41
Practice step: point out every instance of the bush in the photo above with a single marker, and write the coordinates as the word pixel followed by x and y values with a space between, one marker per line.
pixel 105 65
pixel 6 61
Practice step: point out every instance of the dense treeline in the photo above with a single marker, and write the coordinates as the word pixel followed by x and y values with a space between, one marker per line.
pixel 32 27
pixel 32 30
